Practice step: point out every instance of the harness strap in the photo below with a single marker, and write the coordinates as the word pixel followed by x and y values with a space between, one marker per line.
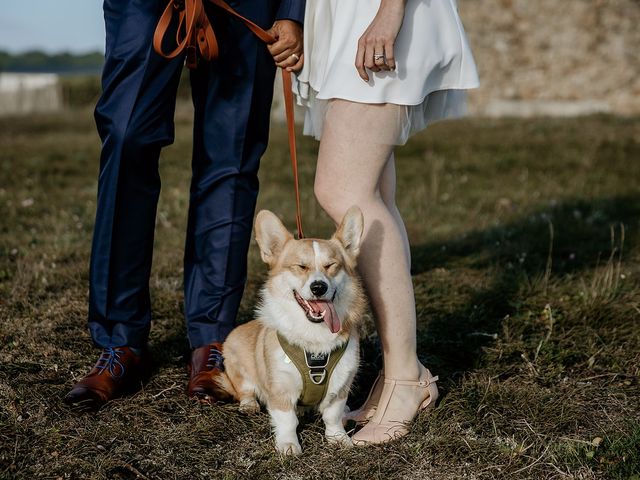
pixel 315 371
pixel 195 33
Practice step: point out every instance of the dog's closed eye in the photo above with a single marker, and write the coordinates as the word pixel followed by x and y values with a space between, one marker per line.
pixel 329 265
pixel 302 268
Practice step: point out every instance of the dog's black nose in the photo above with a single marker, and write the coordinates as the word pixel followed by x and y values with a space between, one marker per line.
pixel 318 288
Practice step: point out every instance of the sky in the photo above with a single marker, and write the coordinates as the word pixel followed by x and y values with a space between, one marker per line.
pixel 51 25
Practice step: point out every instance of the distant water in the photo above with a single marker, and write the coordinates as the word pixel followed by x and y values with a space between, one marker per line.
pixel 92 70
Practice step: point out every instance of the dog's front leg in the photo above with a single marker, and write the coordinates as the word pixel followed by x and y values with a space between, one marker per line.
pixel 285 421
pixel 332 417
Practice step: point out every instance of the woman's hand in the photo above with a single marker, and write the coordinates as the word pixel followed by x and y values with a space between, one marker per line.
pixel 287 49
pixel 375 47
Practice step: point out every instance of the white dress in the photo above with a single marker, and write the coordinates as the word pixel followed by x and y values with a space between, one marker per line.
pixel 434 64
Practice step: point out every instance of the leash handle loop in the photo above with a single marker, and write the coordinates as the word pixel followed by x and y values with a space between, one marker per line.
pixel 186 21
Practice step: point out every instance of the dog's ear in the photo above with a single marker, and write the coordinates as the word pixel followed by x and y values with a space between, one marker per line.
pixel 271 235
pixel 349 233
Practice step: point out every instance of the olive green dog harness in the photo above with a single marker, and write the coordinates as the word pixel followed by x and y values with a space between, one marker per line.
pixel 315 370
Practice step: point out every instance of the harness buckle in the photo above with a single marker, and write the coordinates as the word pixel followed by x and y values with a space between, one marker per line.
pixel 318 377
pixel 317 363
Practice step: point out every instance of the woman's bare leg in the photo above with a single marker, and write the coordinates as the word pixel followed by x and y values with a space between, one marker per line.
pixel 388 193
pixel 355 167
pixel 387 188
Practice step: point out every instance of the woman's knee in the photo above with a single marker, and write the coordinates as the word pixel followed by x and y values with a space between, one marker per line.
pixel 334 199
pixel 328 197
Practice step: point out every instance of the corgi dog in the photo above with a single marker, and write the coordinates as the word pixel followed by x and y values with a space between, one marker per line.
pixel 304 343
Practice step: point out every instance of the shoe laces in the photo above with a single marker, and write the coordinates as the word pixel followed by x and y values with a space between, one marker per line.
pixel 110 361
pixel 215 359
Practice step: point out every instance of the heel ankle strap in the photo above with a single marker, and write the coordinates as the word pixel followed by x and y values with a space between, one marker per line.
pixel 422 383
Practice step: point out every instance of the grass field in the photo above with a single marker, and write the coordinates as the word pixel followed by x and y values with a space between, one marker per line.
pixel 526 262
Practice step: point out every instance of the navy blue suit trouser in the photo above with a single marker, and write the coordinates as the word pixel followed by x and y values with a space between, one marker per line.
pixel 232 98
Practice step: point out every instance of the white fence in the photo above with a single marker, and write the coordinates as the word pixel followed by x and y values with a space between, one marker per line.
pixel 25 93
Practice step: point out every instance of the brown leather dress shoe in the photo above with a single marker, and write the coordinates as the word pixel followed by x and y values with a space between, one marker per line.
pixel 206 364
pixel 119 371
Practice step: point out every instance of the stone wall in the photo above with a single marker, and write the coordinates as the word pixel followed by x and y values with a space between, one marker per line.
pixel 556 57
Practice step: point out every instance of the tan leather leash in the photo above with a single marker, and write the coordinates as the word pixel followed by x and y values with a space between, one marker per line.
pixel 195 33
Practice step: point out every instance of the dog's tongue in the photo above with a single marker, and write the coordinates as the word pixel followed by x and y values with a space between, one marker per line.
pixel 330 315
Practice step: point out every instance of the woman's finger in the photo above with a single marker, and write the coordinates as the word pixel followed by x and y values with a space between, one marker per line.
pixel 378 56
pixel 389 56
pixel 368 56
pixel 360 61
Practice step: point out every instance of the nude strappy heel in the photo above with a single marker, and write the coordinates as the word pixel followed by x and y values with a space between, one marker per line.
pixel 363 414
pixel 400 402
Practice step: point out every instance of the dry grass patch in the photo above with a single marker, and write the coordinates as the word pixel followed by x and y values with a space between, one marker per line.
pixel 527 273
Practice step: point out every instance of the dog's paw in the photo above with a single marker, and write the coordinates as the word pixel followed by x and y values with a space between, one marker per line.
pixel 249 406
pixel 339 438
pixel 289 448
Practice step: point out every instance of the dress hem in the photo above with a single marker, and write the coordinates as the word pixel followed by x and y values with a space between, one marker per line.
pixel 304 98
pixel 439 104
